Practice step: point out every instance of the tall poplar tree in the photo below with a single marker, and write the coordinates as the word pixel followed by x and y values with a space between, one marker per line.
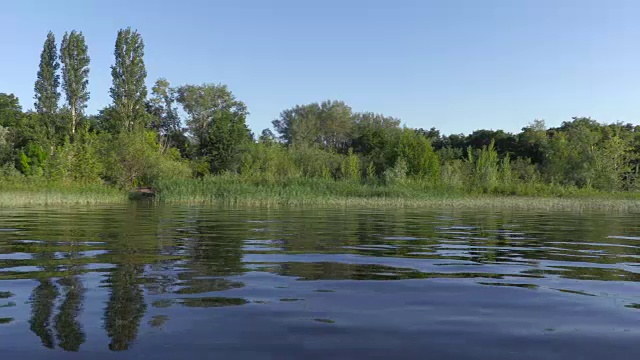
pixel 47 84
pixel 75 75
pixel 129 91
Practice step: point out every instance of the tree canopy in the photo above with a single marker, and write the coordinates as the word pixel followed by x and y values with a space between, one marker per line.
pixel 194 130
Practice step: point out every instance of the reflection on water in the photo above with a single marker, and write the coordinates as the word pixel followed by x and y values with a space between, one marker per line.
pixel 169 281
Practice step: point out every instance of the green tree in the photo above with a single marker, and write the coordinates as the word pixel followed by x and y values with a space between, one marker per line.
pixel 300 125
pixel 396 174
pixel 336 124
pixel 47 84
pixel 572 151
pixel 129 91
pixel 485 168
pixel 371 130
pixel 422 161
pixel 267 137
pixel 162 106
pixel 32 160
pixel 78 161
pixel 5 145
pixel 270 162
pixel 75 75
pixel 217 121
pixel 374 137
pixel 532 142
pixel 10 110
pixel 350 167
pixel 611 163
pixel 328 125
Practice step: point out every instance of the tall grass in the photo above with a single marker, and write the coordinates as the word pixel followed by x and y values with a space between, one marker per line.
pixel 36 191
pixel 235 190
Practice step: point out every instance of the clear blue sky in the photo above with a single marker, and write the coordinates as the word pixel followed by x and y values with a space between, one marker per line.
pixel 458 65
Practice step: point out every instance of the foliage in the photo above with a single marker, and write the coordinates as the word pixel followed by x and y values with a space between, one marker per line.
pixel 5 145
pixel 164 113
pixel 78 161
pixel 10 110
pixel 327 124
pixel 75 75
pixel 422 162
pixel 269 163
pixel 217 121
pixel 47 84
pixel 129 73
pixel 32 160
pixel 583 154
pixel 485 168
pixel 315 162
pixel 135 159
pixel 323 147
pixel 398 173
pixel 350 169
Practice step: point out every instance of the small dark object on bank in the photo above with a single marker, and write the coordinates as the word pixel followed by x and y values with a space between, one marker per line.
pixel 142 193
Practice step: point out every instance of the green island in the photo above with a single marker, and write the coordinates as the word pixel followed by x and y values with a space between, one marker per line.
pixel 190 144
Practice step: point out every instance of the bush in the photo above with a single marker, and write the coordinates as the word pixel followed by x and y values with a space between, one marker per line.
pixel 78 161
pixel 350 169
pixel 136 159
pixel 316 163
pixel 416 150
pixel 485 168
pixel 269 162
pixel 455 173
pixel 397 174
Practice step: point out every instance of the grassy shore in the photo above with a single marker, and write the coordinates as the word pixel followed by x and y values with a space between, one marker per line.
pixel 317 192
pixel 231 190
pixel 30 192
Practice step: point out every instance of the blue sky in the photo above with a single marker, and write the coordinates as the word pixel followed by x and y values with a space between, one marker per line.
pixel 458 65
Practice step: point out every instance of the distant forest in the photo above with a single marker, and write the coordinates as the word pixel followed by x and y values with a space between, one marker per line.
pixel 142 138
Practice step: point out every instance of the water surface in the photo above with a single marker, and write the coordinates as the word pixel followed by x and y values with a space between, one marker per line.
pixel 171 282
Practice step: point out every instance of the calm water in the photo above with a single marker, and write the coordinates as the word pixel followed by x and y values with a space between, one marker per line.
pixel 199 282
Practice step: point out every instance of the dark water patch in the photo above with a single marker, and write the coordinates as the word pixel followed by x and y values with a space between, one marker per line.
pixel 163 304
pixel 324 321
pixel 158 321
pixel 7 305
pixel 199 286
pixel 209 302
pixel 524 286
pixel 260 302
pixel 576 292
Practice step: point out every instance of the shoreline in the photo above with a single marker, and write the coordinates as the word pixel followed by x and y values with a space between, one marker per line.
pixel 111 196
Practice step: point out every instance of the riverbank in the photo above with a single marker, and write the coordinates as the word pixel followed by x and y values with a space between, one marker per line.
pixel 29 192
pixel 231 190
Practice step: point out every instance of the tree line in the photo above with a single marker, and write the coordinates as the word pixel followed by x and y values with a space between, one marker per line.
pixel 142 138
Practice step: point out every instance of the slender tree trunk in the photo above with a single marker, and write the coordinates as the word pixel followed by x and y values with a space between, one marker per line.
pixel 73 119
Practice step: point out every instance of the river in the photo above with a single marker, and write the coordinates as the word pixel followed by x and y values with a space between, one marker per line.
pixel 176 282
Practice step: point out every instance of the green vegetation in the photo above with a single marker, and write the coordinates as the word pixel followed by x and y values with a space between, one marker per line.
pixel 321 153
